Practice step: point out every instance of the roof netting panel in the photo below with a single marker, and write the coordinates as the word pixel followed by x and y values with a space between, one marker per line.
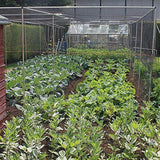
pixel 83 14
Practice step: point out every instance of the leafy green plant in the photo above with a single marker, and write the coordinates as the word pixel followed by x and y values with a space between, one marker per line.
pixel 75 125
pixel 42 77
pixel 156 93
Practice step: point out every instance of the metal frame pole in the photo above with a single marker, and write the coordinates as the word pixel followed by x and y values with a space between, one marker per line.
pixel 136 37
pixel 130 36
pixel 139 79
pixel 100 11
pixel 23 71
pixel 152 2
pixel 69 42
pixel 53 35
pixel 75 4
pixel 130 43
pixel 40 38
pixel 153 49
pixel 141 39
pixel 72 7
pixel 25 42
pixel 48 37
pixel 154 33
pixel 61 33
pixel 125 7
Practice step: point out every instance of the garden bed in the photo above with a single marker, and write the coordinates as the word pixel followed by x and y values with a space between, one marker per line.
pixel 101 119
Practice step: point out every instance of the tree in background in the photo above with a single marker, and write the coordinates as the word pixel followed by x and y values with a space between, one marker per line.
pixel 14 3
pixel 59 2
pixel 8 3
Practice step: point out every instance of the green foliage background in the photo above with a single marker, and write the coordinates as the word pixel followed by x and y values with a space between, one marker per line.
pixel 35 40
pixel 14 3
pixel 158 39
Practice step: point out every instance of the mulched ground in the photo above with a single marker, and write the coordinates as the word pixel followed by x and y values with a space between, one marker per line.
pixel 71 88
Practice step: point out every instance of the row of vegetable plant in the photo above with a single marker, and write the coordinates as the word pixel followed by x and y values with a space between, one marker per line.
pixel 58 128
pixel 44 75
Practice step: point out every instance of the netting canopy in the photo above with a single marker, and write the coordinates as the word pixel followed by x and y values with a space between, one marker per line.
pixel 133 24
pixel 64 15
pixel 85 16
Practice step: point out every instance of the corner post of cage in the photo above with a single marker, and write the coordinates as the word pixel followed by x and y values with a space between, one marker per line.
pixel 154 33
pixel 53 35
pixel 23 71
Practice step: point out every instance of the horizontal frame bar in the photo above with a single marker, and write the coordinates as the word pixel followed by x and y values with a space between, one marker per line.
pixel 81 7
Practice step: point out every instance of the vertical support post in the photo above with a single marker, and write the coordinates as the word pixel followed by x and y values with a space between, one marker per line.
pixel 150 83
pixel 136 37
pixel 125 8
pixel 58 37
pixel 100 11
pixel 53 35
pixel 152 2
pixel 153 51
pixel 75 4
pixel 154 33
pixel 130 43
pixel 84 36
pixel 141 39
pixel 48 37
pixel 57 30
pixel 40 38
pixel 130 36
pixel 69 40
pixel 23 71
pixel 25 42
pixel 139 79
pixel 61 33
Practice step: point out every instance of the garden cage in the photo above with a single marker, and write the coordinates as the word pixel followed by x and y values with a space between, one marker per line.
pixel 54 29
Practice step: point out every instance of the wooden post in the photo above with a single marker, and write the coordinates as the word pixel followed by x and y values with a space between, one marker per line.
pixel 53 35
pixel 23 70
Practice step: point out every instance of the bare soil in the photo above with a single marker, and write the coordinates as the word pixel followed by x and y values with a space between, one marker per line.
pixel 71 88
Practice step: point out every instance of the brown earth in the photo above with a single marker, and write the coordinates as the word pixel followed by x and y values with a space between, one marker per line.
pixel 71 88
